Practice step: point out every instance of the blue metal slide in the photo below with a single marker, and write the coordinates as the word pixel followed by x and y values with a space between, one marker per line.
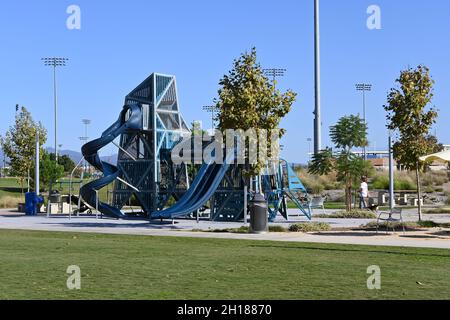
pixel 130 119
pixel 202 189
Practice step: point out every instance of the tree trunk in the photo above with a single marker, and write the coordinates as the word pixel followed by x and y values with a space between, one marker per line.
pixel 419 192
pixel 348 197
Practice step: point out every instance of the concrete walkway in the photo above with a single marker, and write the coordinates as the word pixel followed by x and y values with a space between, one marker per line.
pixel 435 238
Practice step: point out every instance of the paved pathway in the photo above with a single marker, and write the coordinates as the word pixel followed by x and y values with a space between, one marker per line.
pixel 435 238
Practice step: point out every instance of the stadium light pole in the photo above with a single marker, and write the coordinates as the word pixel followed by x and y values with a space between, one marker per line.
pixel 317 110
pixel 213 110
pixel 363 87
pixel 274 73
pixel 85 138
pixel 55 62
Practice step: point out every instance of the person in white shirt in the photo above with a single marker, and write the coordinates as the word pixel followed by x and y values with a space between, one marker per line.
pixel 363 193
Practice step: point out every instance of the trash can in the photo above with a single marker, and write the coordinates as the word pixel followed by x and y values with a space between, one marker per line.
pixel 259 218
pixel 55 197
pixel 32 201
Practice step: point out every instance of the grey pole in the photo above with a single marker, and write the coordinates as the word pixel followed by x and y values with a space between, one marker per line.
pixel 317 112
pixel 55 62
pixel 55 97
pixel 364 87
pixel 391 174
pixel 37 182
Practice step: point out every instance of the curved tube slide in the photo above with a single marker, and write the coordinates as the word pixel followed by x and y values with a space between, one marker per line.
pixel 110 172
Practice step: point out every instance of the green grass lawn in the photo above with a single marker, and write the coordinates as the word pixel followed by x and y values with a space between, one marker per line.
pixel 10 188
pixel 33 266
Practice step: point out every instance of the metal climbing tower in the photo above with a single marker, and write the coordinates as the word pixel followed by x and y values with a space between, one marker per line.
pixel 144 156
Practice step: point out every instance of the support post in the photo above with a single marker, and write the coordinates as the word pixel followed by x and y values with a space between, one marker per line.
pixel 96 204
pixel 36 176
pixel 245 204
pixel 70 188
pixel 391 175
pixel 317 112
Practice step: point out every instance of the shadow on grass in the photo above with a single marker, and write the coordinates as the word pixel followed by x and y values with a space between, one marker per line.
pixel 12 189
pixel 331 249
pixel 165 225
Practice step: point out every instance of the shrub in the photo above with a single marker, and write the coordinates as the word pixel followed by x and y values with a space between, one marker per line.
pixel 355 214
pixel 277 229
pixel 408 225
pixel 437 211
pixel 403 181
pixel 9 202
pixel 310 227
pixel 434 178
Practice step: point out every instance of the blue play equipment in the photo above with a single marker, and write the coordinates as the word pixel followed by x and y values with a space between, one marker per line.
pixel 32 201
pixel 286 186
pixel 150 125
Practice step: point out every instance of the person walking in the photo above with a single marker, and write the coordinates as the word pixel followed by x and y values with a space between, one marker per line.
pixel 363 193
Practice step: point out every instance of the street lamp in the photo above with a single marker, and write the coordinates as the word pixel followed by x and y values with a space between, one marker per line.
pixel 274 73
pixel 310 153
pixel 86 123
pixel 55 62
pixel 317 109
pixel 85 138
pixel 363 87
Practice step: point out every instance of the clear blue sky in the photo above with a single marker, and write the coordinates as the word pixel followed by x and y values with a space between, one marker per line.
pixel 121 42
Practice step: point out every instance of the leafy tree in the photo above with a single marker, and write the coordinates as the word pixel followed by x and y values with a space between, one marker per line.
pixel 249 100
pixel 67 163
pixel 196 129
pixel 64 161
pixel 50 171
pixel 19 144
pixel 350 132
pixel 409 116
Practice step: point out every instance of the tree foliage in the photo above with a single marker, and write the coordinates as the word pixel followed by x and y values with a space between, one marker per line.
pixel 19 143
pixel 350 132
pixel 249 100
pixel 410 117
pixel 50 171
pixel 65 161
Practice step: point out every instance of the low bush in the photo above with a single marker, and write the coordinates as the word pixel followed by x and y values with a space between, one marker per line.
pixel 277 229
pixel 8 202
pixel 434 178
pixel 355 214
pixel 437 211
pixel 310 227
pixel 403 181
pixel 408 225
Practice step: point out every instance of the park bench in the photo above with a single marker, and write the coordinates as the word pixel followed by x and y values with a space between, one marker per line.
pixel 390 218
pixel 317 203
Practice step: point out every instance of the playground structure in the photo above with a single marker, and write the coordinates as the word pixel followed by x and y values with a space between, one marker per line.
pixel 149 126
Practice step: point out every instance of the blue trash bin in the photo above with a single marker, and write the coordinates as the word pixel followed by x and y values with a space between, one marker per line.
pixel 32 200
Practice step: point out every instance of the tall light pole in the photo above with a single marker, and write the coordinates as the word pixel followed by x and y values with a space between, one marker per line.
pixel 213 110
pixel 363 87
pixel 274 73
pixel 309 140
pixel 55 62
pixel 86 123
pixel 85 138
pixel 317 110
